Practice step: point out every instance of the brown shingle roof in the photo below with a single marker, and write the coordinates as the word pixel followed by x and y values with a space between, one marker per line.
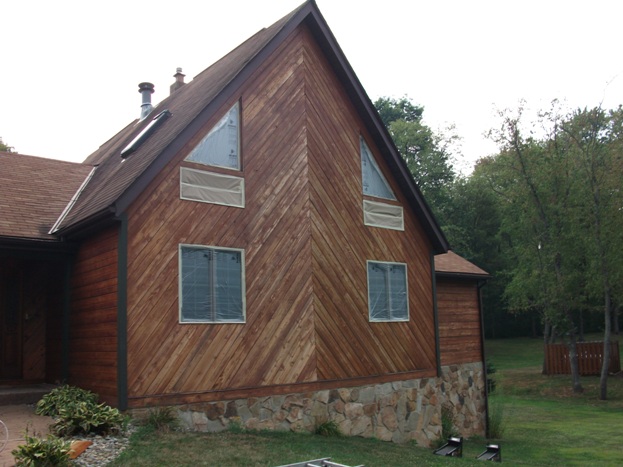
pixel 33 193
pixel 452 264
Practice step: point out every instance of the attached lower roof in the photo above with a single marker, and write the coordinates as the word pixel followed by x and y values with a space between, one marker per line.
pixel 33 193
pixel 451 264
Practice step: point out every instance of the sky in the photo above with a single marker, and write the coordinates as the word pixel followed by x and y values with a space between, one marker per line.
pixel 70 69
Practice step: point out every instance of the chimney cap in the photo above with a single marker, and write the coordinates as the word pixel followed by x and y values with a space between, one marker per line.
pixel 145 86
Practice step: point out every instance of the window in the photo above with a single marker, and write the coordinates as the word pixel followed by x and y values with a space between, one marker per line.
pixel 387 291
pixel 386 216
pixel 374 183
pixel 221 146
pixel 207 187
pixel 211 285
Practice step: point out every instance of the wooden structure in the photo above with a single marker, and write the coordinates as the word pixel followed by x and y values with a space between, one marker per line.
pixel 302 225
pixel 590 358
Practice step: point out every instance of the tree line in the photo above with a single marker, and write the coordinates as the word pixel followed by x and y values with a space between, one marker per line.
pixel 544 216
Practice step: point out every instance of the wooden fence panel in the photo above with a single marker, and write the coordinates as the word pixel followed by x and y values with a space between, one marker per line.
pixel 589 358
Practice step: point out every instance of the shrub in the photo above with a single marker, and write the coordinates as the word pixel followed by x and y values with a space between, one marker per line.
pixel 49 452
pixel 87 417
pixel 447 425
pixel 62 397
pixel 330 429
pixel 162 419
pixel 496 420
pixel 76 411
pixel 491 383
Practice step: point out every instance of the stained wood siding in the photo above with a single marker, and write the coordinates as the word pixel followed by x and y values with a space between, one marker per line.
pixel 306 249
pixel 348 345
pixel 93 321
pixel 459 321
pixel 276 344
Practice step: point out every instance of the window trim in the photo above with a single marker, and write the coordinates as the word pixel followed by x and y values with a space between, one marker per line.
pixel 243 285
pixel 390 320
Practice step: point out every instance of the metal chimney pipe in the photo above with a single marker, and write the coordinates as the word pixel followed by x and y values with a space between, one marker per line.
pixel 146 90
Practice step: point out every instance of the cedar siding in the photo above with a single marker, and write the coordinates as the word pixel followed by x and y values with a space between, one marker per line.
pixel 459 321
pixel 305 247
pixel 348 345
pixel 93 322
pixel 275 345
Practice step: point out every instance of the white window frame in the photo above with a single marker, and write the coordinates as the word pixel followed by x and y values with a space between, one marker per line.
pixel 242 284
pixel 390 319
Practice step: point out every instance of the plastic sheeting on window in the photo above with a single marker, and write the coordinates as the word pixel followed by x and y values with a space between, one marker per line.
pixel 387 216
pixel 220 147
pixel 374 183
pixel 212 288
pixel 207 187
pixel 387 291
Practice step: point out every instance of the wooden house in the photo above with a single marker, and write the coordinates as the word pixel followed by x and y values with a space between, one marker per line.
pixel 253 248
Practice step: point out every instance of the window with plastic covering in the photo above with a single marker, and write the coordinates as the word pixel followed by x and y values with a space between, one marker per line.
pixel 212 288
pixel 221 146
pixel 387 291
pixel 374 183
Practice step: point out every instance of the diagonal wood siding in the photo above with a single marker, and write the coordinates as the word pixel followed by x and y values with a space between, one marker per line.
pixel 305 245
pixel 275 345
pixel 348 344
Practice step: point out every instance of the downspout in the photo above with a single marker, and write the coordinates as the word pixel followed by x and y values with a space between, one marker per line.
pixel 479 286
pixel 122 317
pixel 66 320
pixel 435 314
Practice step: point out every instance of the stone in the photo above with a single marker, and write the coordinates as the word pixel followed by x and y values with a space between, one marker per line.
pixel 360 426
pixel 216 410
pixel 322 396
pixel 354 394
pixel 366 395
pixel 369 409
pixel 231 410
pixel 389 419
pixel 353 410
pixel 382 433
pixel 199 421
pixel 344 394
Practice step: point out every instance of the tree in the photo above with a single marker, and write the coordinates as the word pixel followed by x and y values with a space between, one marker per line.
pixel 534 181
pixel 4 147
pixel 426 153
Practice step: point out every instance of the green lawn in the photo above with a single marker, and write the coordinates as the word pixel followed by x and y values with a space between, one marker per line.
pixel 545 424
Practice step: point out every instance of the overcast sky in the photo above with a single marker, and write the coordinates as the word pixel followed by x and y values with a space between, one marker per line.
pixel 70 69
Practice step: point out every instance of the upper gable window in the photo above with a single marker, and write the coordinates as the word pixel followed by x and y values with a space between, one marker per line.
pixel 221 146
pixel 374 183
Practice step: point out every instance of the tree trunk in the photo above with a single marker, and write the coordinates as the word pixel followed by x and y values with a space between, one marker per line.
pixel 545 342
pixel 605 365
pixel 573 358
pixel 615 319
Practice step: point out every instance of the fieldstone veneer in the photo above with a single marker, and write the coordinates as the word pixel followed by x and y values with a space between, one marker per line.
pixel 399 411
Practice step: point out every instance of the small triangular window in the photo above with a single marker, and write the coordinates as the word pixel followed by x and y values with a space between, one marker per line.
pixel 374 183
pixel 221 146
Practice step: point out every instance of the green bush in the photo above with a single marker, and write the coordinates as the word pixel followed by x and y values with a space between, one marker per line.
pixel 496 420
pixel 76 411
pixel 87 417
pixel 329 429
pixel 49 452
pixel 63 396
pixel 162 419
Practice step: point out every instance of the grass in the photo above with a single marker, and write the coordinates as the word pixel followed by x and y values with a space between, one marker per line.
pixel 544 424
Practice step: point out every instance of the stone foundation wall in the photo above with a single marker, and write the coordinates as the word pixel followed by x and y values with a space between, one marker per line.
pixel 400 411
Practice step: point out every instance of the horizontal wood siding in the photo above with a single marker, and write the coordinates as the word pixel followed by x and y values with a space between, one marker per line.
pixel 275 346
pixel 459 321
pixel 348 345
pixel 93 319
